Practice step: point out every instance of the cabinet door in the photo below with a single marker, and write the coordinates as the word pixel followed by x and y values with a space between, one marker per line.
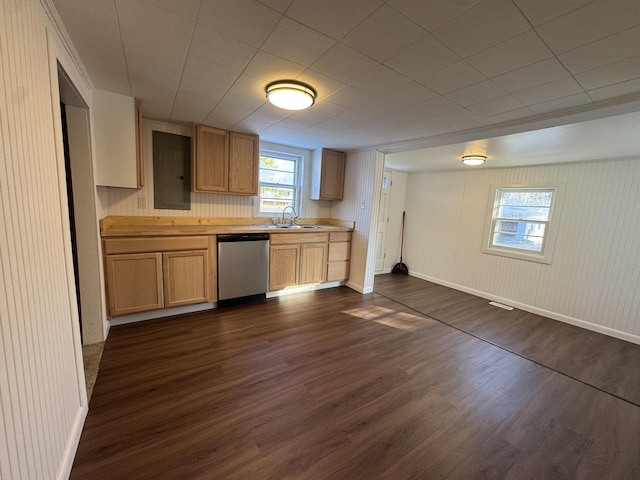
pixel 283 266
pixel 210 167
pixel 313 257
pixel 186 277
pixel 332 175
pixel 134 282
pixel 243 164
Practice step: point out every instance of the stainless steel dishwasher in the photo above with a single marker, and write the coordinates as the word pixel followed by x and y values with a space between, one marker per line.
pixel 243 267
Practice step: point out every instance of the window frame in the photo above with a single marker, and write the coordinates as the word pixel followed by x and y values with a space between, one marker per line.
pixel 551 224
pixel 299 160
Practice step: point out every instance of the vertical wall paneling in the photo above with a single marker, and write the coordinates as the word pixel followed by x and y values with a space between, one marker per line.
pixel 593 279
pixel 42 398
pixel 359 204
pixel 396 207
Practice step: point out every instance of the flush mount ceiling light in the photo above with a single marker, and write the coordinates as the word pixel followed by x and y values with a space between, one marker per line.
pixel 473 159
pixel 290 94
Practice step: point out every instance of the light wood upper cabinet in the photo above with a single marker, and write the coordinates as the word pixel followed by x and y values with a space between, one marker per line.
pixel 211 160
pixel 134 282
pixel 225 162
pixel 116 125
pixel 243 164
pixel 327 175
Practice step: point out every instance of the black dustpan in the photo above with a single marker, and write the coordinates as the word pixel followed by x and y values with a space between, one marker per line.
pixel 401 268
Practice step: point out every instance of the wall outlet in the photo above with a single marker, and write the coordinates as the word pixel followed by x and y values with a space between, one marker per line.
pixel 142 203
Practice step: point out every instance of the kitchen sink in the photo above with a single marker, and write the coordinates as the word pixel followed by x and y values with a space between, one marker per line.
pixel 286 226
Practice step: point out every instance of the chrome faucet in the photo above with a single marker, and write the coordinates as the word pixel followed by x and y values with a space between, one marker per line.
pixel 294 215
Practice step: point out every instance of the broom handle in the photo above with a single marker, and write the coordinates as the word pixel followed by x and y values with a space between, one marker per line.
pixel 402 238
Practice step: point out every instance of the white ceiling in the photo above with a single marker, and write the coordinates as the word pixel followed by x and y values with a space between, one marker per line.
pixel 391 74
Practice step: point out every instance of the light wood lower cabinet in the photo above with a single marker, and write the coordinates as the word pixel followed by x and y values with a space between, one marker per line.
pixel 283 266
pixel 185 277
pixel 134 282
pixel 313 257
pixel 177 272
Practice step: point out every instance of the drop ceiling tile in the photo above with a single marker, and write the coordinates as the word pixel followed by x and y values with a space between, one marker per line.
pixel 335 18
pixel 602 52
pixel 618 72
pixel 397 99
pixel 203 77
pixel 152 110
pixel 420 111
pixel 495 106
pixel 630 87
pixel 549 91
pixel 192 107
pixel 510 55
pixel 424 57
pixel 221 49
pixel 351 97
pixel 249 86
pixel 185 8
pixel 452 77
pixel 431 14
pixel 476 93
pixel 279 5
pixel 589 23
pixel 226 116
pixel 296 42
pixel 160 27
pixel 245 20
pixel 233 99
pixel 541 11
pixel 385 33
pixel 563 103
pixel 344 120
pixel 510 116
pixel 380 80
pixel 323 84
pixel 343 63
pixel 485 25
pixel 270 67
pixel 318 113
pixel 539 73
pixel 256 122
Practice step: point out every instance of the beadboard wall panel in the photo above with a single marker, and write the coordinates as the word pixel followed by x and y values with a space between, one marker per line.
pixel 394 226
pixel 41 397
pixel 360 203
pixel 594 276
pixel 125 201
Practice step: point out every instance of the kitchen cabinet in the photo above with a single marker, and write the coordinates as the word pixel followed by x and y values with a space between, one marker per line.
pixel 148 273
pixel 339 256
pixel 327 174
pixel 225 162
pixel 297 259
pixel 117 123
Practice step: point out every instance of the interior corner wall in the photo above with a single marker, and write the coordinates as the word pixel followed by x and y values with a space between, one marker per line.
pixel 42 396
pixel 594 278
pixel 363 174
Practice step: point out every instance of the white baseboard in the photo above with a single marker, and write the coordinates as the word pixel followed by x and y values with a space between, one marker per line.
pixel 72 444
pixel 359 288
pixel 538 311
pixel 165 312
pixel 304 288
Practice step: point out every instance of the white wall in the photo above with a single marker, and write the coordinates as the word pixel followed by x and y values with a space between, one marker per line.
pixel 594 278
pixel 42 395
pixel 396 207
pixel 360 204
pixel 124 201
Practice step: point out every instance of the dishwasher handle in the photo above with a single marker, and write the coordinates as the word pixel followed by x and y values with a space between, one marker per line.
pixel 242 237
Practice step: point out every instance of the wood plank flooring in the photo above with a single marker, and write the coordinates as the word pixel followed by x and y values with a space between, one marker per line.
pixel 336 385
pixel 601 361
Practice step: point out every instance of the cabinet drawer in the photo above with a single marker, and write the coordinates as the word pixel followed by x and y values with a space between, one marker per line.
pixel 153 244
pixel 337 271
pixel 297 238
pixel 339 251
pixel 340 237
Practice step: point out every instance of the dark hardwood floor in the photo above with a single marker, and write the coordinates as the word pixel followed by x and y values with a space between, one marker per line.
pixel 336 385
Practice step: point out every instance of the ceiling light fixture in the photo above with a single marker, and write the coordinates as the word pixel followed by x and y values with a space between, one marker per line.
pixel 473 159
pixel 290 94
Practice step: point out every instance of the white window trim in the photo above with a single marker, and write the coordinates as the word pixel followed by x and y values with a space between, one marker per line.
pixel 551 229
pixel 288 153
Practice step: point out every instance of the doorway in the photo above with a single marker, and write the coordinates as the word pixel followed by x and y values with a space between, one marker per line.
pixel 383 221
